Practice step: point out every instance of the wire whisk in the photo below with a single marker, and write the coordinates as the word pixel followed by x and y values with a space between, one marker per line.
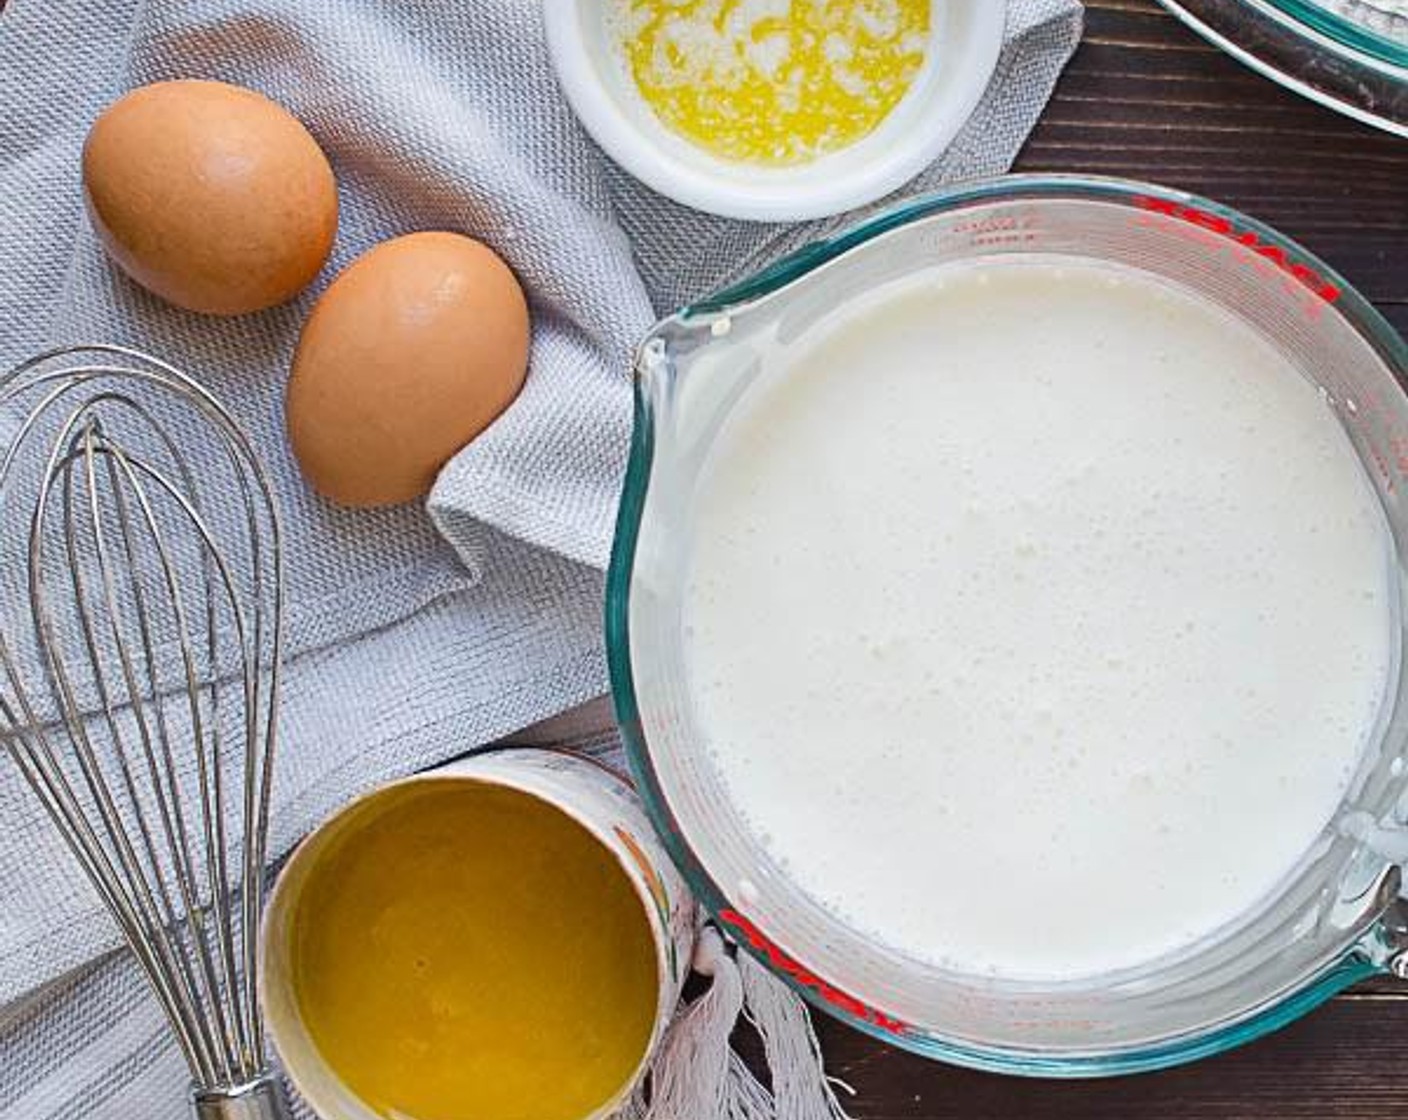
pixel 141 611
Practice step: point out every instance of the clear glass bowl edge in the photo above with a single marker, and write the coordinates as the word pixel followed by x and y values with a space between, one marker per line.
pixel 1366 959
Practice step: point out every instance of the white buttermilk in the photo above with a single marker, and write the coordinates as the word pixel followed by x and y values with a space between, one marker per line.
pixel 1038 616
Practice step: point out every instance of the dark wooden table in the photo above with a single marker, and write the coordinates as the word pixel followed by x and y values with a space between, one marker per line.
pixel 1146 98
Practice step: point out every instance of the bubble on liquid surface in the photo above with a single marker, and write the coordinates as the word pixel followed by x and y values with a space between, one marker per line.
pixel 1074 609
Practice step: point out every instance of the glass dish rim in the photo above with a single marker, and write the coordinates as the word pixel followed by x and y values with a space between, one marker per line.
pixel 1344 31
pixel 1336 974
pixel 1373 57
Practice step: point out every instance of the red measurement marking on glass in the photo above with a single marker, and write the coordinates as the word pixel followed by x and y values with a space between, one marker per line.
pixel 1274 255
pixel 995 230
pixel 806 978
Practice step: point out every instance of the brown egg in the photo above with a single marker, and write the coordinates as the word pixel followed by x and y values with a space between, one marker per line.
pixel 412 352
pixel 210 195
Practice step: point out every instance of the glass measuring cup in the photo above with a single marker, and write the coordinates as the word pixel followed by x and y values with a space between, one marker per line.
pixel 1335 920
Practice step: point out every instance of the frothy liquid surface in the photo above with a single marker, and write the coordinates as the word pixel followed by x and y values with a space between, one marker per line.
pixel 1038 617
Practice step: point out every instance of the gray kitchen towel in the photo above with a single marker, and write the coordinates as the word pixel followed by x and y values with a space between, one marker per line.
pixel 415 634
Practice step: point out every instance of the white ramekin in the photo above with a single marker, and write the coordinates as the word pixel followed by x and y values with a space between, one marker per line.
pixel 966 41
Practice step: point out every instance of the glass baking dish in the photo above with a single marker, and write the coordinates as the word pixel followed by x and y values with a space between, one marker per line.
pixel 1336 920
pixel 1350 55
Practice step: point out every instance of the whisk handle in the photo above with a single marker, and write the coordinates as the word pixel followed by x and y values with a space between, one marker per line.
pixel 258 1100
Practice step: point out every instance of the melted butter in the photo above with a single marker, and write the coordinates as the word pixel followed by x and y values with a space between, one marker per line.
pixel 773 81
pixel 471 952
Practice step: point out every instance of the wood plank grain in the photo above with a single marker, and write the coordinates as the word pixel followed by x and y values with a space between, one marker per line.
pixel 1341 1062
pixel 1147 99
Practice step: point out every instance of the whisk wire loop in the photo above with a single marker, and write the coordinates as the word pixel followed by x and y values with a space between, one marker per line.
pixel 124 475
pixel 154 580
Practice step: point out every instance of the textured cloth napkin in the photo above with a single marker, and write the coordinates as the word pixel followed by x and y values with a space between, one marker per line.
pixel 414 635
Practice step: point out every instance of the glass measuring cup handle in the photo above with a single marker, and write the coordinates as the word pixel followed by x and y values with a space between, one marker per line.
pixel 1395 933
pixel 1386 943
